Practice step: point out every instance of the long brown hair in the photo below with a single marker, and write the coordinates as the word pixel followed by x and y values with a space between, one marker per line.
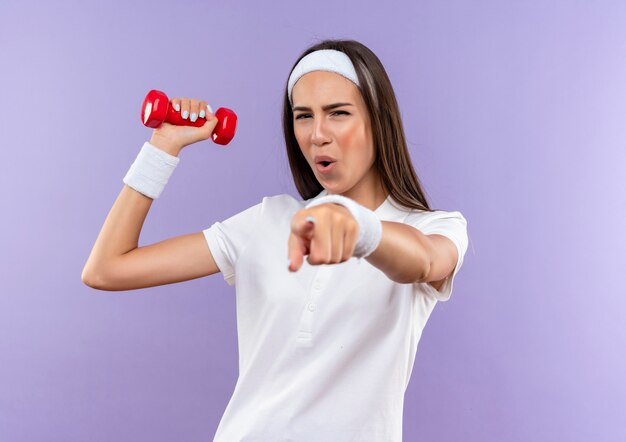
pixel 392 158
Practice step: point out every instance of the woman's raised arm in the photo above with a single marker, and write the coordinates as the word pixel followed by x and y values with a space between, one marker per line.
pixel 116 262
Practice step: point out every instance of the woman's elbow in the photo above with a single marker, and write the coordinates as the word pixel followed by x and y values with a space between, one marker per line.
pixel 92 279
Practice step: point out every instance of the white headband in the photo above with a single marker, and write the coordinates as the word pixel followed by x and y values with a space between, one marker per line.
pixel 323 60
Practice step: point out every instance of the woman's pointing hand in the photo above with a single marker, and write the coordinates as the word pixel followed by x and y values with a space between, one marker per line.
pixel 327 233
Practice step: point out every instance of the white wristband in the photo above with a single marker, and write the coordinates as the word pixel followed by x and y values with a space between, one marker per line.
pixel 151 170
pixel 370 226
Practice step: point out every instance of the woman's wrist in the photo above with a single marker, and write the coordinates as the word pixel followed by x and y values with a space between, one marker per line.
pixel 151 170
pixel 165 145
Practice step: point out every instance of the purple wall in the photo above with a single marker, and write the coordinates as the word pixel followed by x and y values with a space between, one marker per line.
pixel 515 114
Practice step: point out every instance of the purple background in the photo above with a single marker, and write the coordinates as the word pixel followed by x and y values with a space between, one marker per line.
pixel 515 114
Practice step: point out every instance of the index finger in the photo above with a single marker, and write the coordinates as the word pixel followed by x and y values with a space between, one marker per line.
pixel 303 225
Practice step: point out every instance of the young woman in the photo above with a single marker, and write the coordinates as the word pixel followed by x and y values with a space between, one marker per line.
pixel 326 343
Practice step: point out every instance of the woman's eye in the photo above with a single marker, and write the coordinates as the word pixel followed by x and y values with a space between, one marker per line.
pixel 308 115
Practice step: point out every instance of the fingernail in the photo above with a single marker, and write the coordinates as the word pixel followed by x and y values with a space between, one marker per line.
pixel 202 114
pixel 185 113
pixel 310 219
pixel 208 106
pixel 177 107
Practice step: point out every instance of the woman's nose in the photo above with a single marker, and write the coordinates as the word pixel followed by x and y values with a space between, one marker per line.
pixel 319 134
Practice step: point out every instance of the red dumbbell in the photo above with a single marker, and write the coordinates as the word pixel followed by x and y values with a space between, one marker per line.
pixel 156 109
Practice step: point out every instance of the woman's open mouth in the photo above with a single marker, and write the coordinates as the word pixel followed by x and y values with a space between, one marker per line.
pixel 325 166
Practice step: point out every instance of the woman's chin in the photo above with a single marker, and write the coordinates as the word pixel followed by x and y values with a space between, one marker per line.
pixel 333 188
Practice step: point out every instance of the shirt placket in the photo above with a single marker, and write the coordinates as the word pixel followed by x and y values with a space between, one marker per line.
pixel 305 336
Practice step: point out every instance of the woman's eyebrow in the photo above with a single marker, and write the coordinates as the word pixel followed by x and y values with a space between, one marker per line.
pixel 327 107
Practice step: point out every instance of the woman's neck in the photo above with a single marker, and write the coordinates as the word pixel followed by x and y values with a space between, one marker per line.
pixel 368 196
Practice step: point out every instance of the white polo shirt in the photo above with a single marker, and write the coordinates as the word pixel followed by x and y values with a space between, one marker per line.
pixel 325 353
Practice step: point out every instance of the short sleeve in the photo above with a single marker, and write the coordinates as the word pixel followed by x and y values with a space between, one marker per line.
pixel 228 238
pixel 451 225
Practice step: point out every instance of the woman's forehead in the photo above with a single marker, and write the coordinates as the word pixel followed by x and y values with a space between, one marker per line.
pixel 319 86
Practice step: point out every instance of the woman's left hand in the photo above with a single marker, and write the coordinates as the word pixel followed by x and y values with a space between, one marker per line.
pixel 329 239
